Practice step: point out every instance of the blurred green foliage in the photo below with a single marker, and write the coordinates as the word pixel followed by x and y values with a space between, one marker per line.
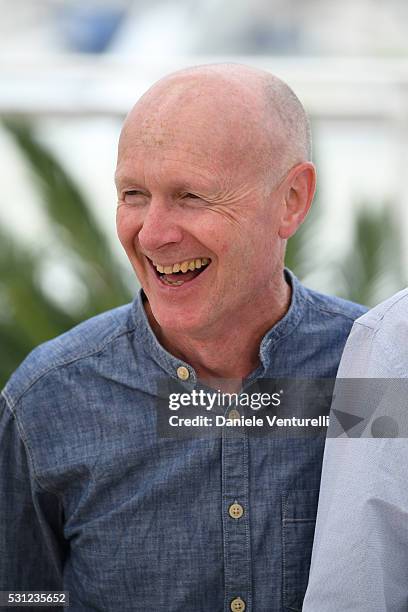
pixel 28 315
pixel 369 272
pixel 373 268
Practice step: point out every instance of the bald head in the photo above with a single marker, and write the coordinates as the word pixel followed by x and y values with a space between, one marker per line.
pixel 256 117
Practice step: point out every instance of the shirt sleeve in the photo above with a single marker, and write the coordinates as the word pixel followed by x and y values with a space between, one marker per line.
pixel 32 547
pixel 360 552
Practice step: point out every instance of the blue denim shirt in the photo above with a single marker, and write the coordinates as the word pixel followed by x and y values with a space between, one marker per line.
pixel 92 500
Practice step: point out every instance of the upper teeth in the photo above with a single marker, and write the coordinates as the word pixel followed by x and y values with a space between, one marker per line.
pixel 184 266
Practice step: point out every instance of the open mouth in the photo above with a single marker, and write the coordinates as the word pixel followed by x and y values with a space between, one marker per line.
pixel 177 274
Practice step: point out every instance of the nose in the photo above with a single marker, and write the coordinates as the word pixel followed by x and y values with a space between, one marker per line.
pixel 160 227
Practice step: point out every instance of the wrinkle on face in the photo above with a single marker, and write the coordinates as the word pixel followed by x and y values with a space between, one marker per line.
pixel 196 164
pixel 233 206
pixel 217 191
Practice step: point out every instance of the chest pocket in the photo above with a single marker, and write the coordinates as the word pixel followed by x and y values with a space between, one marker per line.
pixel 298 525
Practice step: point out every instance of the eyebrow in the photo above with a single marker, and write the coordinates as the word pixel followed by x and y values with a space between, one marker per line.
pixel 120 179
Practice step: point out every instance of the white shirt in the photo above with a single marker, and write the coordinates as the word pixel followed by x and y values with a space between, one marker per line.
pixel 360 553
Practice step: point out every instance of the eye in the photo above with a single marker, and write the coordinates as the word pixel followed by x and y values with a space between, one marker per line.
pixel 134 196
pixel 190 196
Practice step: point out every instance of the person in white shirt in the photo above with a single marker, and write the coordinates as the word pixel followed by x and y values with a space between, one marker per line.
pixel 360 553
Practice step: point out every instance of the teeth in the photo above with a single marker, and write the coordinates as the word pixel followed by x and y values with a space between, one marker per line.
pixel 183 267
pixel 173 283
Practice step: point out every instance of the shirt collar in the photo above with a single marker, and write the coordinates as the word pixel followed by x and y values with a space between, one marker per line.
pixel 171 365
pixel 289 321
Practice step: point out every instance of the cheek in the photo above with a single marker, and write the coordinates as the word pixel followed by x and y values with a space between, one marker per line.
pixel 127 227
pixel 223 247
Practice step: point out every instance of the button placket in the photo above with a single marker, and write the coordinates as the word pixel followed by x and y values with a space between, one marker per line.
pixel 237 551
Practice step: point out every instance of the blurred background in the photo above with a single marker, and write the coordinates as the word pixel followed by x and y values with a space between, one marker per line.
pixel 69 72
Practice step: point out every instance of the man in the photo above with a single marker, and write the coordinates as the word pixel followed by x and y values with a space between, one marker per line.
pixel 214 174
pixel 360 554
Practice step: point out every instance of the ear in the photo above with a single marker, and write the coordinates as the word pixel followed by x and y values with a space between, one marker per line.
pixel 300 185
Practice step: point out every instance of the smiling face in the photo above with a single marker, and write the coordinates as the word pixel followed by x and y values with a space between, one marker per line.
pixel 195 214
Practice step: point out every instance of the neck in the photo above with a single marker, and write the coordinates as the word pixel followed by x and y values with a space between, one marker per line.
pixel 230 352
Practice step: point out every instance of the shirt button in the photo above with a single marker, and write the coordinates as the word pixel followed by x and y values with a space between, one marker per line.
pixel 235 511
pixel 183 373
pixel 237 605
pixel 234 414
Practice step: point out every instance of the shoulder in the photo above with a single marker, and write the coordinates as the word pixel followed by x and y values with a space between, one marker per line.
pixel 390 316
pixel 378 343
pixel 84 340
pixel 323 323
pixel 330 306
